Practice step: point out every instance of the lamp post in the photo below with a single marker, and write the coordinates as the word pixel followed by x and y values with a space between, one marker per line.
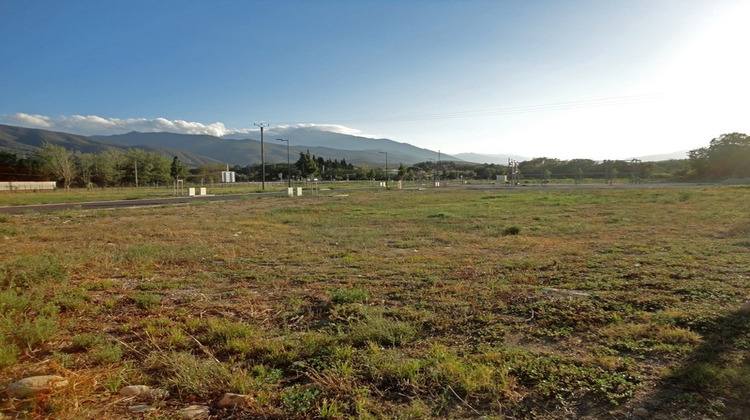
pixel 288 163
pixel 262 155
pixel 387 175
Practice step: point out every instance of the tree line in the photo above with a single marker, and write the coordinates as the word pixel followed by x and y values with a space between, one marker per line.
pixel 727 156
pixel 104 169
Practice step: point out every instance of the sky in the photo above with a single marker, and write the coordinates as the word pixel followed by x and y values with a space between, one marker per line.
pixel 599 79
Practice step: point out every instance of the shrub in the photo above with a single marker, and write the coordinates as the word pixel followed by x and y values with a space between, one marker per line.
pixel 512 230
pixel 37 330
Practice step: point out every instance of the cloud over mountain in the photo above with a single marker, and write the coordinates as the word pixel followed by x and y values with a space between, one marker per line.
pixel 92 125
pixel 96 125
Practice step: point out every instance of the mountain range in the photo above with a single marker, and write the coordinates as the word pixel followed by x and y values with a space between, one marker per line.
pixel 244 151
pixel 196 149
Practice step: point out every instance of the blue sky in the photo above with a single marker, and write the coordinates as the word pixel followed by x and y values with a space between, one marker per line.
pixel 593 79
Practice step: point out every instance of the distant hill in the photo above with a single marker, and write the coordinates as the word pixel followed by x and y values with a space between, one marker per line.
pixel 246 151
pixel 28 140
pixel 24 141
pixel 397 151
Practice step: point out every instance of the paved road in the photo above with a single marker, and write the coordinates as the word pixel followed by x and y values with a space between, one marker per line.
pixel 132 203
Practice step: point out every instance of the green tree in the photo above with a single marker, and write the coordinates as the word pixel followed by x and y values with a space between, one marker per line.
pixel 307 165
pixel 727 156
pixel 58 162
pixel 150 168
pixel 85 166
pixel 177 170
pixel 109 168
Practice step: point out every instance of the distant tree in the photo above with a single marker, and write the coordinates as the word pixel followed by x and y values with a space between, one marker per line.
pixel 85 167
pixel 727 156
pixel 14 168
pixel 109 168
pixel 57 161
pixel 151 168
pixel 177 170
pixel 401 171
pixel 306 165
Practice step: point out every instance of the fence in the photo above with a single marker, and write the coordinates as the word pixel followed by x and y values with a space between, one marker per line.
pixel 27 185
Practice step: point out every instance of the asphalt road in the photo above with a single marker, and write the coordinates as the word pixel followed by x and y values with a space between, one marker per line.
pixel 132 203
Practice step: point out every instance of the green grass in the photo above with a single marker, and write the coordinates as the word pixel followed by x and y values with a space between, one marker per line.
pixel 439 303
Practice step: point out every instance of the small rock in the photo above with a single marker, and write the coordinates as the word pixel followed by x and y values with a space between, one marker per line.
pixel 641 412
pixel 141 408
pixel 155 394
pixel 654 403
pixel 194 412
pixel 232 400
pixel 144 392
pixel 134 390
pixel 35 384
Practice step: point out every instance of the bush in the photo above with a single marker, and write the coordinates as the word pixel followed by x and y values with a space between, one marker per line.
pixel 512 230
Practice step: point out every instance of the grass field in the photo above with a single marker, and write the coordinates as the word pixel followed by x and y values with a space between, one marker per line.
pixel 438 303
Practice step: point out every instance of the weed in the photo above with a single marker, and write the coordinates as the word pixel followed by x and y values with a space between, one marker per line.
pixel 684 196
pixel 145 300
pixel 189 374
pixel 379 329
pixel 103 285
pixel 107 354
pixel 33 271
pixel 71 299
pixel 36 330
pixel 331 409
pixel 352 295
pixel 8 353
pixel 86 341
pixel 12 302
pixel 299 400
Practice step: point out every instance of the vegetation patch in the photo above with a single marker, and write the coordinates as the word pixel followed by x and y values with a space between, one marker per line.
pixel 404 304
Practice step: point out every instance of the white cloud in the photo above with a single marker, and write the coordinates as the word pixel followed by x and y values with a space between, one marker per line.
pixel 96 125
pixel 332 128
pixel 30 120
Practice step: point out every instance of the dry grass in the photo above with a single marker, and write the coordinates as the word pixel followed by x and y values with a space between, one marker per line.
pixel 510 303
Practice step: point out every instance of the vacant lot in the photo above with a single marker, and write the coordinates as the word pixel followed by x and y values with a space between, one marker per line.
pixel 441 303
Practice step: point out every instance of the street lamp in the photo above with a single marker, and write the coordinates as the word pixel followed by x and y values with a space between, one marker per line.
pixel 288 163
pixel 262 155
pixel 387 175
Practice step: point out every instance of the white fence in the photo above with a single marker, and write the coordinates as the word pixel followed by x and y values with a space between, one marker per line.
pixel 27 185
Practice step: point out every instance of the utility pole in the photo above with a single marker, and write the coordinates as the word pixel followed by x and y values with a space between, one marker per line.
pixel 262 125
pixel 387 175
